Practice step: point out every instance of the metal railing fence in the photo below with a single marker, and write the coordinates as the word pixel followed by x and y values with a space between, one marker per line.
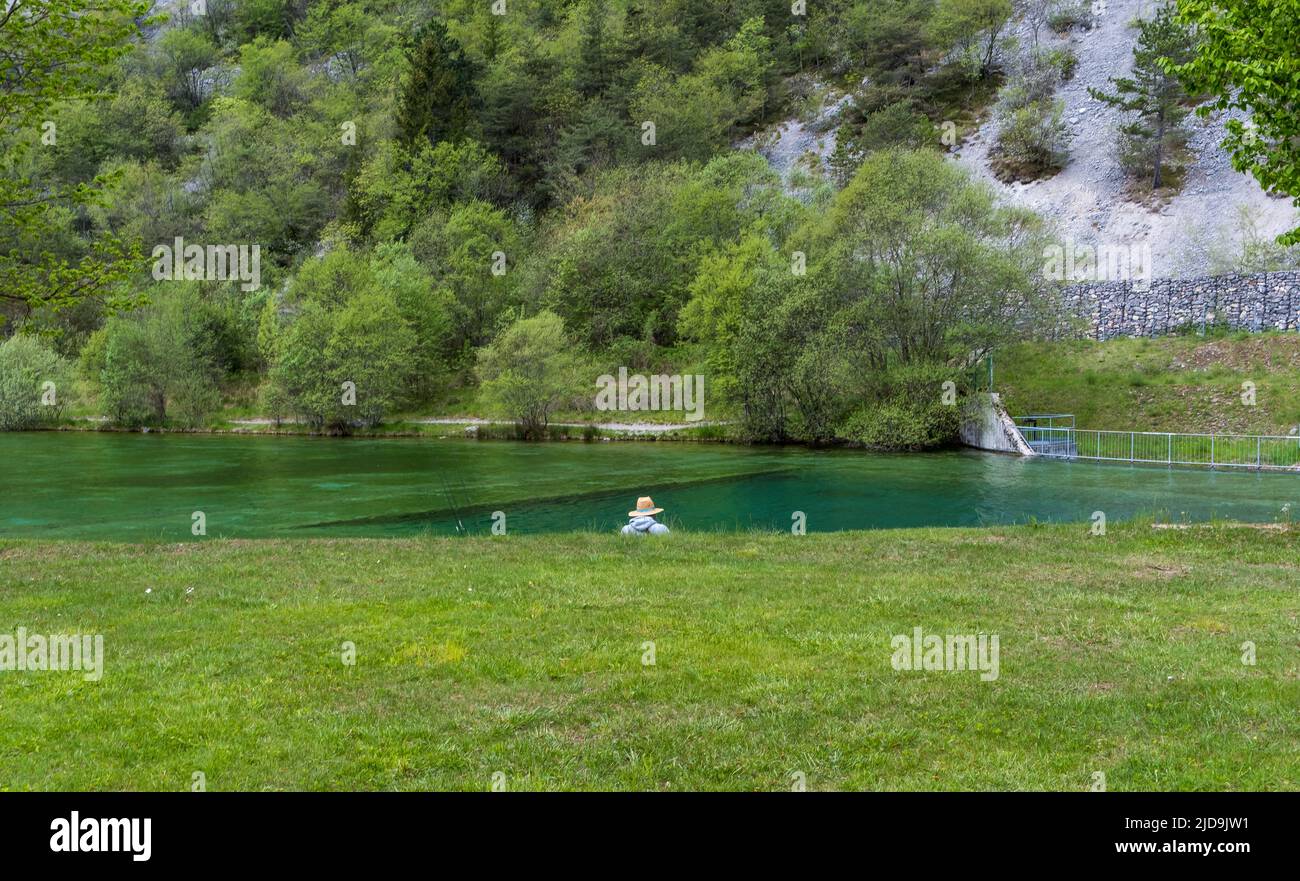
pixel 1165 448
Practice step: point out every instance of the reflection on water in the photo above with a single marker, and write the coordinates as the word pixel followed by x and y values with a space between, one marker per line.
pixel 131 486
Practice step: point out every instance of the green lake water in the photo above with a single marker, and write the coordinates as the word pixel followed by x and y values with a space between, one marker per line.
pixel 87 485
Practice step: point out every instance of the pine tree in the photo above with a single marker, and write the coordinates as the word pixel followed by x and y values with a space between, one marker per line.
pixel 439 97
pixel 843 161
pixel 593 65
pixel 492 37
pixel 1153 93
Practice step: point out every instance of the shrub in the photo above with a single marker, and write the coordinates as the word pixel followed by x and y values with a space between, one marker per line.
pixel 342 277
pixel 901 424
pixel 908 412
pixel 26 365
pixel 151 368
pixel 1070 14
pixel 634 354
pixel 365 344
pixel 528 372
pixel 1034 139
pixel 899 124
pixel 1063 61
pixel 1034 77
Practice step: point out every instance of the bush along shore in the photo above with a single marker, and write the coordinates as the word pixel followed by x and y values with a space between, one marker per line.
pixel 1221 381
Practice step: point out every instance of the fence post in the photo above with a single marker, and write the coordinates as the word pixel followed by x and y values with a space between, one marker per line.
pixel 1212 437
pixel 1132 442
pixel 1170 455
pixel 1258 442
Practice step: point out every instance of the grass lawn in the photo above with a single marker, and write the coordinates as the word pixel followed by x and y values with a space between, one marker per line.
pixel 1118 653
pixel 1173 383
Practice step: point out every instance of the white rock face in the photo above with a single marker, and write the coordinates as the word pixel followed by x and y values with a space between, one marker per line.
pixel 793 141
pixel 1087 199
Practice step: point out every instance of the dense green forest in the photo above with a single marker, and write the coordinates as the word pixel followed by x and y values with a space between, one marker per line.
pixel 489 204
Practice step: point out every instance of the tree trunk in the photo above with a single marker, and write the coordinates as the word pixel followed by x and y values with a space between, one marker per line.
pixel 1160 146
pixel 989 54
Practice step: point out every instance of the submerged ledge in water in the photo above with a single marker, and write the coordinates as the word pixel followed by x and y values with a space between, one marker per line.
pixel 526 503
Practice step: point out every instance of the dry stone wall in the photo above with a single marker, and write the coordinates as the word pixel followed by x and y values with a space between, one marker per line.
pixel 1265 301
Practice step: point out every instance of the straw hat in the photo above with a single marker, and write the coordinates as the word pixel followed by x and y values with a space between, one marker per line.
pixel 645 507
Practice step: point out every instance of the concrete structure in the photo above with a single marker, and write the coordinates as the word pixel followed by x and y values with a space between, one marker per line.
pixel 985 425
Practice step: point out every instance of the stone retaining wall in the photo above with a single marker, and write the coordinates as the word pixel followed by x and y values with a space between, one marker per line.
pixel 1265 301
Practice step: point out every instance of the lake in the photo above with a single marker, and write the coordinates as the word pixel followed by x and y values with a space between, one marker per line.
pixel 87 485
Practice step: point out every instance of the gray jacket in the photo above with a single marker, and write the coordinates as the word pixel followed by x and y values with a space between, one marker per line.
pixel 644 525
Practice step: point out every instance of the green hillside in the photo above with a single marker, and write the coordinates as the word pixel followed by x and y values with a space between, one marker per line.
pixel 1175 383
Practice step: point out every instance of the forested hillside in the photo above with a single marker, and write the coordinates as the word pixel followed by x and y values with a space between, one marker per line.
pixel 494 203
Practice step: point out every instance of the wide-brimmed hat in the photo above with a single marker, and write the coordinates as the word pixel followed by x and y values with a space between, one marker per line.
pixel 645 507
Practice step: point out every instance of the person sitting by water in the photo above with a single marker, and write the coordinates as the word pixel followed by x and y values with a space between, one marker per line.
pixel 643 519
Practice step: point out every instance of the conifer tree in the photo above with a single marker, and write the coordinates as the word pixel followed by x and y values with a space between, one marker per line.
pixel 439 96
pixel 1154 93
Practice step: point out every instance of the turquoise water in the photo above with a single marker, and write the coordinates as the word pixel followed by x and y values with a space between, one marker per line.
pixel 136 487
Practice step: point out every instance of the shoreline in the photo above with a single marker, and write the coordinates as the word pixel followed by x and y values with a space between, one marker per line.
pixel 469 428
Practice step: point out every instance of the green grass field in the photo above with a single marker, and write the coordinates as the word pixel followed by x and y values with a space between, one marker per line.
pixel 1118 653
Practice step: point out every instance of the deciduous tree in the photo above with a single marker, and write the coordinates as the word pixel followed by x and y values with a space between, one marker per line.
pixel 55 50
pixel 1247 58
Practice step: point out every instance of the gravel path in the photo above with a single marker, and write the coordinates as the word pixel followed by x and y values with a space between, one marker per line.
pixel 633 427
pixel 628 427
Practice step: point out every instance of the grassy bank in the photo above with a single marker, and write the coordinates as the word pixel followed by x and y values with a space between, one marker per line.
pixel 1174 383
pixel 1119 653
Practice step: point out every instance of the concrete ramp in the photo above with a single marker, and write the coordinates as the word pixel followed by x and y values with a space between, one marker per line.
pixel 985 425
